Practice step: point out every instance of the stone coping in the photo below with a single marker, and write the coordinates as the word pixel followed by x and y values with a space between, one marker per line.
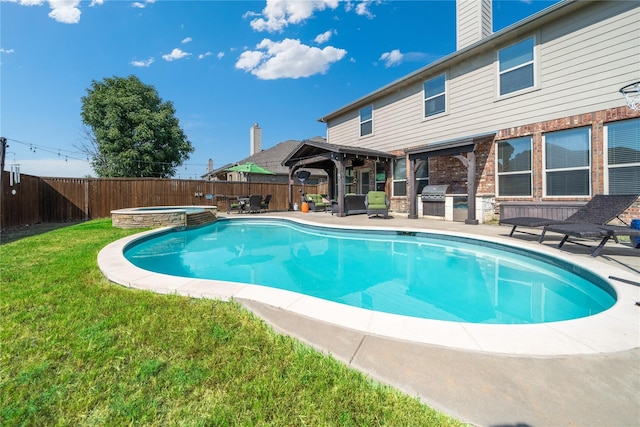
pixel 616 329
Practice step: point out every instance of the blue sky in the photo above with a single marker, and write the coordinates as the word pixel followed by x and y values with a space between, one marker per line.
pixel 224 64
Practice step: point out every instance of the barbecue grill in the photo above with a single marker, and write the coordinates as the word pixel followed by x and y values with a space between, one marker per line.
pixel 433 197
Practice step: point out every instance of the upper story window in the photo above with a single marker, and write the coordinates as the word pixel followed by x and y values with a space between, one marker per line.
pixel 366 120
pixel 622 141
pixel 567 165
pixel 435 96
pixel 400 176
pixel 516 67
pixel 514 167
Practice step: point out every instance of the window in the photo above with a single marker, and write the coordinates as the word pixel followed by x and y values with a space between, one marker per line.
pixel 514 167
pixel 516 70
pixel 422 175
pixel 349 185
pixel 567 165
pixel 381 177
pixel 366 120
pixel 623 157
pixel 434 96
pixel 400 176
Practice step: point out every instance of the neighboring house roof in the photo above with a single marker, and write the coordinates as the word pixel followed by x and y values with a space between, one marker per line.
pixel 534 21
pixel 270 158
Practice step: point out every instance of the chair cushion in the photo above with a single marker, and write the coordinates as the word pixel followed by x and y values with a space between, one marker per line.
pixel 377 200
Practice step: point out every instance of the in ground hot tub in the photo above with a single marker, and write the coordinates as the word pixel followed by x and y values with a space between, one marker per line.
pixel 160 216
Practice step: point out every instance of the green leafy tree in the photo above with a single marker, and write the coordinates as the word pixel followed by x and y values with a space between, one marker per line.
pixel 131 131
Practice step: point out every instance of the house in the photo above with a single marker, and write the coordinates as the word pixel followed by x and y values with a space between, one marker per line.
pixel 531 113
pixel 270 159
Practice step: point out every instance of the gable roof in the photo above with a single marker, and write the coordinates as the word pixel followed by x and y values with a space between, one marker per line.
pixel 310 148
pixel 526 25
pixel 270 158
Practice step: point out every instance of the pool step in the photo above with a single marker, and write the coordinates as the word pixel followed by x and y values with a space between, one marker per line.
pixel 200 218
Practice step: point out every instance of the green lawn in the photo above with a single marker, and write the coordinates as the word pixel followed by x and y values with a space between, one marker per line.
pixel 79 350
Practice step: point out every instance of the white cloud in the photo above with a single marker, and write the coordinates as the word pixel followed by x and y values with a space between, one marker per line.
pixel 142 63
pixel 204 55
pixel 278 14
pixel 392 58
pixel 288 59
pixel 187 40
pixel 65 11
pixel 220 55
pixel 175 54
pixel 324 37
pixel 141 4
pixel 3 50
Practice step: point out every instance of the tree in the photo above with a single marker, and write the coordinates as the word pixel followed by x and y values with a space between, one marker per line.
pixel 131 131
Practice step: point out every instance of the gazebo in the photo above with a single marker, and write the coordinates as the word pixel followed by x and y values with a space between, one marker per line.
pixel 333 159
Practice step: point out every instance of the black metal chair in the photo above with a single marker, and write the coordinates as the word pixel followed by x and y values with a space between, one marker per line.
pixel 265 203
pixel 255 203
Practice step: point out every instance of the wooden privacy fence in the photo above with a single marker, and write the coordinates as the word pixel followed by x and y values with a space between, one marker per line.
pixel 34 199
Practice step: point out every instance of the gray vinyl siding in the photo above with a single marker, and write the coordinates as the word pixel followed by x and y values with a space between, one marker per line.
pixel 473 21
pixel 582 60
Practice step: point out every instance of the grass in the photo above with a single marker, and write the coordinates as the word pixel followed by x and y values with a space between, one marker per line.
pixel 79 350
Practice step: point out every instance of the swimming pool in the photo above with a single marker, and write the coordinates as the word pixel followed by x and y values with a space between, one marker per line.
pixel 416 274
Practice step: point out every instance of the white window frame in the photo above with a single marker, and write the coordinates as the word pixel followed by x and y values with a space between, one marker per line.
pixel 607 166
pixel 518 172
pixel 545 171
pixel 394 180
pixel 424 179
pixel 425 98
pixel 365 121
pixel 533 62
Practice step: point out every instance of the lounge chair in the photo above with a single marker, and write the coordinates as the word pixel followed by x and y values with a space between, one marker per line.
pixel 265 203
pixel 601 209
pixel 587 231
pixel 255 203
pixel 377 204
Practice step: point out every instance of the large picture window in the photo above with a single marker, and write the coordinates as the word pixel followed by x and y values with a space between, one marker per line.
pixel 434 96
pixel 366 120
pixel 400 176
pixel 567 164
pixel 514 167
pixel 623 157
pixel 516 67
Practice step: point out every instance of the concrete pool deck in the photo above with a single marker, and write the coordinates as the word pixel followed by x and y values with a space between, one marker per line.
pixel 583 372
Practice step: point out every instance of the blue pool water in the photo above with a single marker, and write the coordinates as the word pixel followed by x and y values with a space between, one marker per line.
pixel 187 209
pixel 414 274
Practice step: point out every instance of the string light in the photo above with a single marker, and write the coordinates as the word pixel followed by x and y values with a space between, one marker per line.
pixel 77 155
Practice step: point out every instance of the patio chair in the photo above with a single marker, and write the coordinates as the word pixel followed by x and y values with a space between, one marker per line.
pixel 265 203
pixel 377 203
pixel 601 209
pixel 255 203
pixel 589 231
pixel 240 205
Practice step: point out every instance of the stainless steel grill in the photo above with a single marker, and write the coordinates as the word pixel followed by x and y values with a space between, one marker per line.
pixel 434 193
pixel 433 197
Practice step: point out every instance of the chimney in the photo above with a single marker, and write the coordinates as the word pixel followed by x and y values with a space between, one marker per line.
pixel 474 21
pixel 255 139
pixel 210 166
